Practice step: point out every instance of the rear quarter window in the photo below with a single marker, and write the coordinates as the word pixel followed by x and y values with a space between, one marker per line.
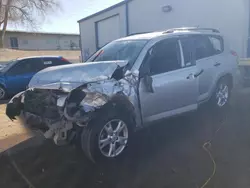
pixel 48 62
pixel 218 44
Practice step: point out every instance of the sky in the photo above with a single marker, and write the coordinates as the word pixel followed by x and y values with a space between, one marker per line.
pixel 65 20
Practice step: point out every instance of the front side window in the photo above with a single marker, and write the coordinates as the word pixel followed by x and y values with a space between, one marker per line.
pixel 119 50
pixel 25 66
pixel 164 57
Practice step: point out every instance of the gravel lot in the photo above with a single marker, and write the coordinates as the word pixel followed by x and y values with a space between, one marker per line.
pixel 168 155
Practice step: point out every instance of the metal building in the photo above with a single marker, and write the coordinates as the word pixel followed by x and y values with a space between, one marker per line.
pixel 24 40
pixel 231 17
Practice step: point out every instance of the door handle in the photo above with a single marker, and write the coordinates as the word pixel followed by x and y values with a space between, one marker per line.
pixel 190 76
pixel 217 64
pixel 198 73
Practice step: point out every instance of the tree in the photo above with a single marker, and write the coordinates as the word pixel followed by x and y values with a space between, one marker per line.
pixel 25 12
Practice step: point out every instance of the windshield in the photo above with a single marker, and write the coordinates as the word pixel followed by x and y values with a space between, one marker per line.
pixel 119 50
pixel 5 66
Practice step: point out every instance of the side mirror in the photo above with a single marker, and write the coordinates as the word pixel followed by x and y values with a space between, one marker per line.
pixel 148 81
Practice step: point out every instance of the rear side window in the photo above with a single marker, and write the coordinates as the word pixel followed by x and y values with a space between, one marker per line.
pixel 217 43
pixel 203 47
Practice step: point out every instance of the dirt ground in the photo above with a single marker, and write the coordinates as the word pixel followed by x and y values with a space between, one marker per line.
pixel 9 54
pixel 11 133
pixel 167 155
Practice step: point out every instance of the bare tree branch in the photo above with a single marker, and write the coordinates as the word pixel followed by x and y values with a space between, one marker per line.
pixel 25 12
pixel 5 22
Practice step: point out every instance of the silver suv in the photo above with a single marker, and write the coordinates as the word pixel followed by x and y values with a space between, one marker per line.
pixel 126 85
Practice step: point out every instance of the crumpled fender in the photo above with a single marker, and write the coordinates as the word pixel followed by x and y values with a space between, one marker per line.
pixel 15 106
pixel 83 102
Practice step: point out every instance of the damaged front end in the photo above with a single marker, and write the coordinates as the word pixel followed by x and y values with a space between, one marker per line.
pixel 59 112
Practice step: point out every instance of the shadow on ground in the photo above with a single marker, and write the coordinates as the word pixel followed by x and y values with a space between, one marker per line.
pixel 168 155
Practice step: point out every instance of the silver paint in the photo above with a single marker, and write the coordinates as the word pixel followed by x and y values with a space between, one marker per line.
pixel 75 74
pixel 175 92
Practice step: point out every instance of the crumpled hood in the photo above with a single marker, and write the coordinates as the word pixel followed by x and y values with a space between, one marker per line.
pixel 75 74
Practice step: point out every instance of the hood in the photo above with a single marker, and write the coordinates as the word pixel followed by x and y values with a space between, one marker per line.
pixel 74 75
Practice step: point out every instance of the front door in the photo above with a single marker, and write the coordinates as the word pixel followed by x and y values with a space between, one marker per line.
pixel 175 87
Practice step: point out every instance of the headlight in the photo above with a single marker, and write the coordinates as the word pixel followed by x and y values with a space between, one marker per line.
pixel 66 87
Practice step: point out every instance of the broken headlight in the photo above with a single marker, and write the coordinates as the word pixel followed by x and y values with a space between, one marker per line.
pixel 66 87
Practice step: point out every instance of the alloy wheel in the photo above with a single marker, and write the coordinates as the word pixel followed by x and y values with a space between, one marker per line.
pixel 113 138
pixel 222 95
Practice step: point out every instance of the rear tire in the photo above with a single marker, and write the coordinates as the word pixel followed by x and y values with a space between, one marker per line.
pixel 102 140
pixel 222 94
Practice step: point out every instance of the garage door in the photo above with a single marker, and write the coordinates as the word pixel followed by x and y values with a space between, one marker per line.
pixel 108 30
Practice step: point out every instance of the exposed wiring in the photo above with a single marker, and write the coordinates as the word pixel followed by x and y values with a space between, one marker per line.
pixel 19 171
pixel 206 147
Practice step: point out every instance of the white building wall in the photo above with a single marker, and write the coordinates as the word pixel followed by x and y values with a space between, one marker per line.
pixel 231 17
pixel 103 27
pixel 88 31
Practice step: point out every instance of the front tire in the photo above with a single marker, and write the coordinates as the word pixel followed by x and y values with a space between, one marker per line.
pixel 106 137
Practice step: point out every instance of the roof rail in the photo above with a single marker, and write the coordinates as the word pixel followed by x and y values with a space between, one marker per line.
pixel 192 29
pixel 138 33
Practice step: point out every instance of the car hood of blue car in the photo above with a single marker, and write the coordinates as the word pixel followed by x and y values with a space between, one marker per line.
pixel 74 75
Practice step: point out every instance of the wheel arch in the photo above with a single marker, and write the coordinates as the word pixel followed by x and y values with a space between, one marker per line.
pixel 228 77
pixel 121 103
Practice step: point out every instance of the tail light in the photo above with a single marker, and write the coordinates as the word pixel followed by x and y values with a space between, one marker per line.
pixel 234 53
pixel 63 59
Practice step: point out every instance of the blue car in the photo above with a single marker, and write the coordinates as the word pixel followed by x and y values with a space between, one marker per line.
pixel 16 74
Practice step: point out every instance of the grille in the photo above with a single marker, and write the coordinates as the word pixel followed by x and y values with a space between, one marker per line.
pixel 41 103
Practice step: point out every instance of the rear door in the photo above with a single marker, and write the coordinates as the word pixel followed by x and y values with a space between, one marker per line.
pixel 174 84
pixel 18 77
pixel 219 57
pixel 204 56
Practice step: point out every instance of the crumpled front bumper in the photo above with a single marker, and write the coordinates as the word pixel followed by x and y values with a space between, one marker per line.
pixel 57 129
pixel 70 110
